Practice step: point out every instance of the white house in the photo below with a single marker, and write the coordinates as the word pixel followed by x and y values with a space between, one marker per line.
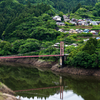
pixel 57 18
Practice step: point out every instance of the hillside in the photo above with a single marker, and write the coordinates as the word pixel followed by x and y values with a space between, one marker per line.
pixel 83 11
pixel 25 28
pixel 61 5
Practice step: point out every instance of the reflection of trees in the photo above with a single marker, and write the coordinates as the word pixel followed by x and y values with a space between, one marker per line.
pixel 39 93
pixel 88 89
pixel 21 78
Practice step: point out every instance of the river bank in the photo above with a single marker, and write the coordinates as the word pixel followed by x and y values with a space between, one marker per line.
pixel 6 93
pixel 54 66
pixel 76 71
pixel 30 61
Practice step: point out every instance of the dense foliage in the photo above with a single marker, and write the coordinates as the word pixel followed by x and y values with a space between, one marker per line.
pixel 86 11
pixel 25 28
pixel 28 27
pixel 86 56
pixel 61 5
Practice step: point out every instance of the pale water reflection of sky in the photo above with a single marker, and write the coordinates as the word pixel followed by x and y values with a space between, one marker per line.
pixel 69 95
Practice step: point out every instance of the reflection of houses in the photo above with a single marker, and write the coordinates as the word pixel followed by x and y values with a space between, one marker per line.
pixel 57 18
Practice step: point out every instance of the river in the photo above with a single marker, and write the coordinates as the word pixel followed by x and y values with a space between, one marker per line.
pixel 40 84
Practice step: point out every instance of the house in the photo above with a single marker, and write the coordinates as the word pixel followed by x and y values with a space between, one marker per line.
pixel 57 18
pixel 80 20
pixel 56 45
pixel 93 23
pixel 88 20
pixel 74 20
pixel 79 31
pixel 86 31
pixel 74 44
pixel 98 38
pixel 60 23
pixel 65 18
pixel 79 23
pixel 72 31
pixel 85 23
pixel 61 30
pixel 98 22
pixel 94 32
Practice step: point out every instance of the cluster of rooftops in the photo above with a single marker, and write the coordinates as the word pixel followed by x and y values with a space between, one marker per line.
pixel 85 22
pixel 79 31
pixel 74 21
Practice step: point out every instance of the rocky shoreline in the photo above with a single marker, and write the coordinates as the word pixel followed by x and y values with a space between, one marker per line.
pixel 6 93
pixel 30 61
pixel 54 66
pixel 76 71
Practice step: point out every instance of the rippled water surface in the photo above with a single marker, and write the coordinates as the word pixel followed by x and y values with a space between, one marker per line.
pixel 39 84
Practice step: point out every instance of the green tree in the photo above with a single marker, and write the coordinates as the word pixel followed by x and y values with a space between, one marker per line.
pixel 90 46
pixel 61 15
pixel 29 45
pixel 82 59
pixel 16 44
pixel 5 48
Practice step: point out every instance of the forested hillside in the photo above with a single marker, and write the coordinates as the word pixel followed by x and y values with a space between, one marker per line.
pixel 61 5
pixel 84 11
pixel 24 28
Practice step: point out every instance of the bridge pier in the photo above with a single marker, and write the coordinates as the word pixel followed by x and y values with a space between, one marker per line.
pixel 61 53
pixel 63 56
pixel 62 61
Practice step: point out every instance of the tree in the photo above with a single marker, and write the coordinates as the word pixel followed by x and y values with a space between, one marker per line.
pixel 46 17
pixel 61 15
pixel 82 59
pixel 90 46
pixel 5 48
pixel 29 45
pixel 16 44
pixel 51 24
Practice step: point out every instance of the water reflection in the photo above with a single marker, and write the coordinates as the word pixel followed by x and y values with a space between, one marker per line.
pixel 69 95
pixel 46 85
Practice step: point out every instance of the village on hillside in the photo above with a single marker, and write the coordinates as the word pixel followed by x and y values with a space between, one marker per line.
pixel 76 22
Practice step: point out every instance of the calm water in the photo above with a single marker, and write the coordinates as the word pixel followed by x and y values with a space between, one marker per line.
pixel 46 85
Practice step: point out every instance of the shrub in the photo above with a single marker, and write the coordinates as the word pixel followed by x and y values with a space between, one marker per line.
pixel 85 34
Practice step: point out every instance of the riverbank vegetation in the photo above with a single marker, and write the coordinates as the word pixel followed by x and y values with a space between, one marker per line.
pixel 86 56
pixel 28 29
